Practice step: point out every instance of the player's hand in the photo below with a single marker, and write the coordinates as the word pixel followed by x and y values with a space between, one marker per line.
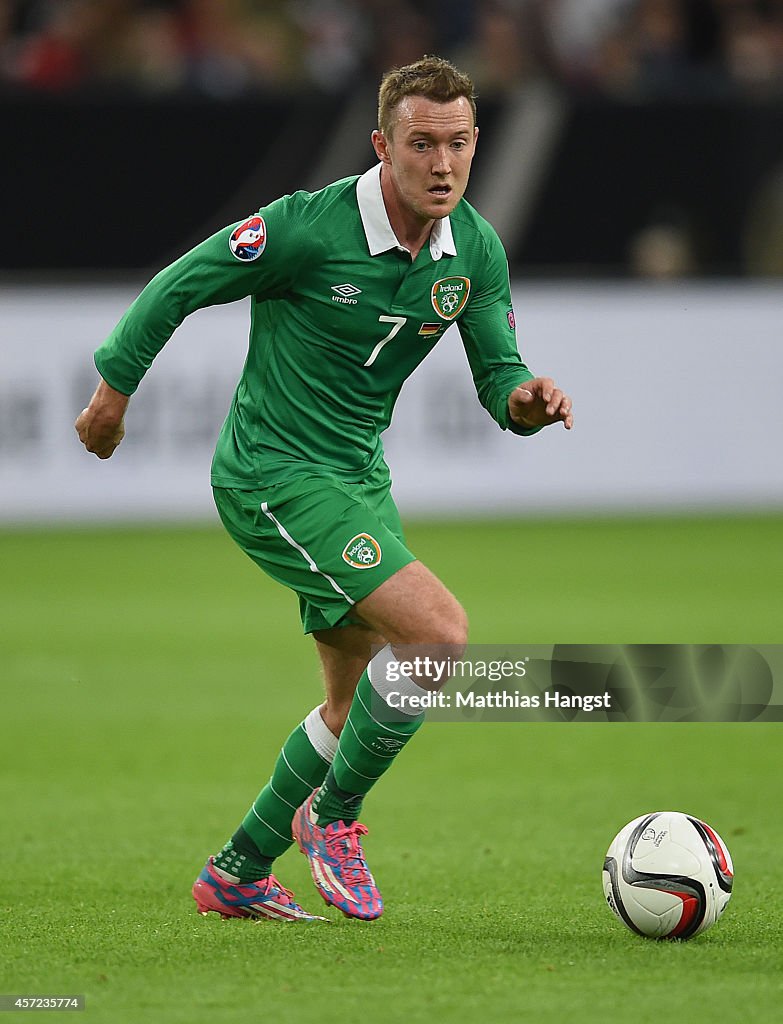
pixel 539 403
pixel 101 426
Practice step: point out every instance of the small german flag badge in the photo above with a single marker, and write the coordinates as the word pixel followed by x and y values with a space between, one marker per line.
pixel 427 329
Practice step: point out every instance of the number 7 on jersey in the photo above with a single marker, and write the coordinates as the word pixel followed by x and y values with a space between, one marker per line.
pixel 399 322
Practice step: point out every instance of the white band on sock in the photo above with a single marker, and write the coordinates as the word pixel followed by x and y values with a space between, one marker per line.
pixel 378 673
pixel 323 739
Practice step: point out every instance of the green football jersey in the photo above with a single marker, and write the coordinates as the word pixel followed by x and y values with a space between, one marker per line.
pixel 340 317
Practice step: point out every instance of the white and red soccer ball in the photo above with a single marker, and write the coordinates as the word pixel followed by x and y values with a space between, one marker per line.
pixel 668 875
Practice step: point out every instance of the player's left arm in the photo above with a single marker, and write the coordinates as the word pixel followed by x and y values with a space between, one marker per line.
pixel 539 403
pixel 517 399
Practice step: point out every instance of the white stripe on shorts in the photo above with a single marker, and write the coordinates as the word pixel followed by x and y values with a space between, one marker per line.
pixel 302 551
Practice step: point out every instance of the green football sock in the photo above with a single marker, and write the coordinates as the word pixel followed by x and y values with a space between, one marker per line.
pixel 265 832
pixel 240 859
pixel 332 803
pixel 372 737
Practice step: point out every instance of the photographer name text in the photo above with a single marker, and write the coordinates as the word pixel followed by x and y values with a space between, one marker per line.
pixel 498 700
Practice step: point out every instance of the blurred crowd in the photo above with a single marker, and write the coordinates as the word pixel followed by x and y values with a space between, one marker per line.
pixel 634 49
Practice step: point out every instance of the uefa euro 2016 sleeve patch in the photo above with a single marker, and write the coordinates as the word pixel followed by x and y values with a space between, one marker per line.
pixel 248 241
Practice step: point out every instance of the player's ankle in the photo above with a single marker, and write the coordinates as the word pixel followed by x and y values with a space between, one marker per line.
pixel 331 803
pixel 237 862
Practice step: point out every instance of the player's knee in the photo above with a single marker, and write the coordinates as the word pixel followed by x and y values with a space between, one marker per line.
pixel 450 629
pixel 433 640
pixel 414 607
pixel 441 622
pixel 458 629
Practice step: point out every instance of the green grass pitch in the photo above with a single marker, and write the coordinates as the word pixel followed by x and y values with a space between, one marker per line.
pixel 150 675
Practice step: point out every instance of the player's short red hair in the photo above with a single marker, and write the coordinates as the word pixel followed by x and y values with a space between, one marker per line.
pixel 433 77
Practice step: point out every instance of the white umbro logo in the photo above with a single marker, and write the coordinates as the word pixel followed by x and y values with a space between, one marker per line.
pixel 345 293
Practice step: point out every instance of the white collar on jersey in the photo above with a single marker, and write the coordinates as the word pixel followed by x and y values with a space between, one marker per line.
pixel 375 220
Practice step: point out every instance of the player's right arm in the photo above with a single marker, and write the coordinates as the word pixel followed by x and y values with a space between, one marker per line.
pixel 101 426
pixel 210 274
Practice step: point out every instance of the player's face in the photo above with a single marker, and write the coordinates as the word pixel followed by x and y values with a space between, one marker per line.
pixel 429 154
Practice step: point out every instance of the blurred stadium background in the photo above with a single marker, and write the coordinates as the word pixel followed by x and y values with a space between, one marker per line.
pixel 631 158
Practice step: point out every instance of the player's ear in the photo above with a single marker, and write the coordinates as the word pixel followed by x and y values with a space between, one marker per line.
pixel 380 145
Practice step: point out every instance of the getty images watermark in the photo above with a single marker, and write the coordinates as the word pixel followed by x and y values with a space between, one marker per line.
pixel 587 682
pixel 473 675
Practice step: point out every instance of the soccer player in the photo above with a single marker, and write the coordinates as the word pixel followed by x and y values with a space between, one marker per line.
pixel 350 288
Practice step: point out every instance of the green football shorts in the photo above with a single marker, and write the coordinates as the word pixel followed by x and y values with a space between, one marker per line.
pixel 332 543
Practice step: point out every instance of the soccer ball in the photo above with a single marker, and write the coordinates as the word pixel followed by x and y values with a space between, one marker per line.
pixel 668 875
